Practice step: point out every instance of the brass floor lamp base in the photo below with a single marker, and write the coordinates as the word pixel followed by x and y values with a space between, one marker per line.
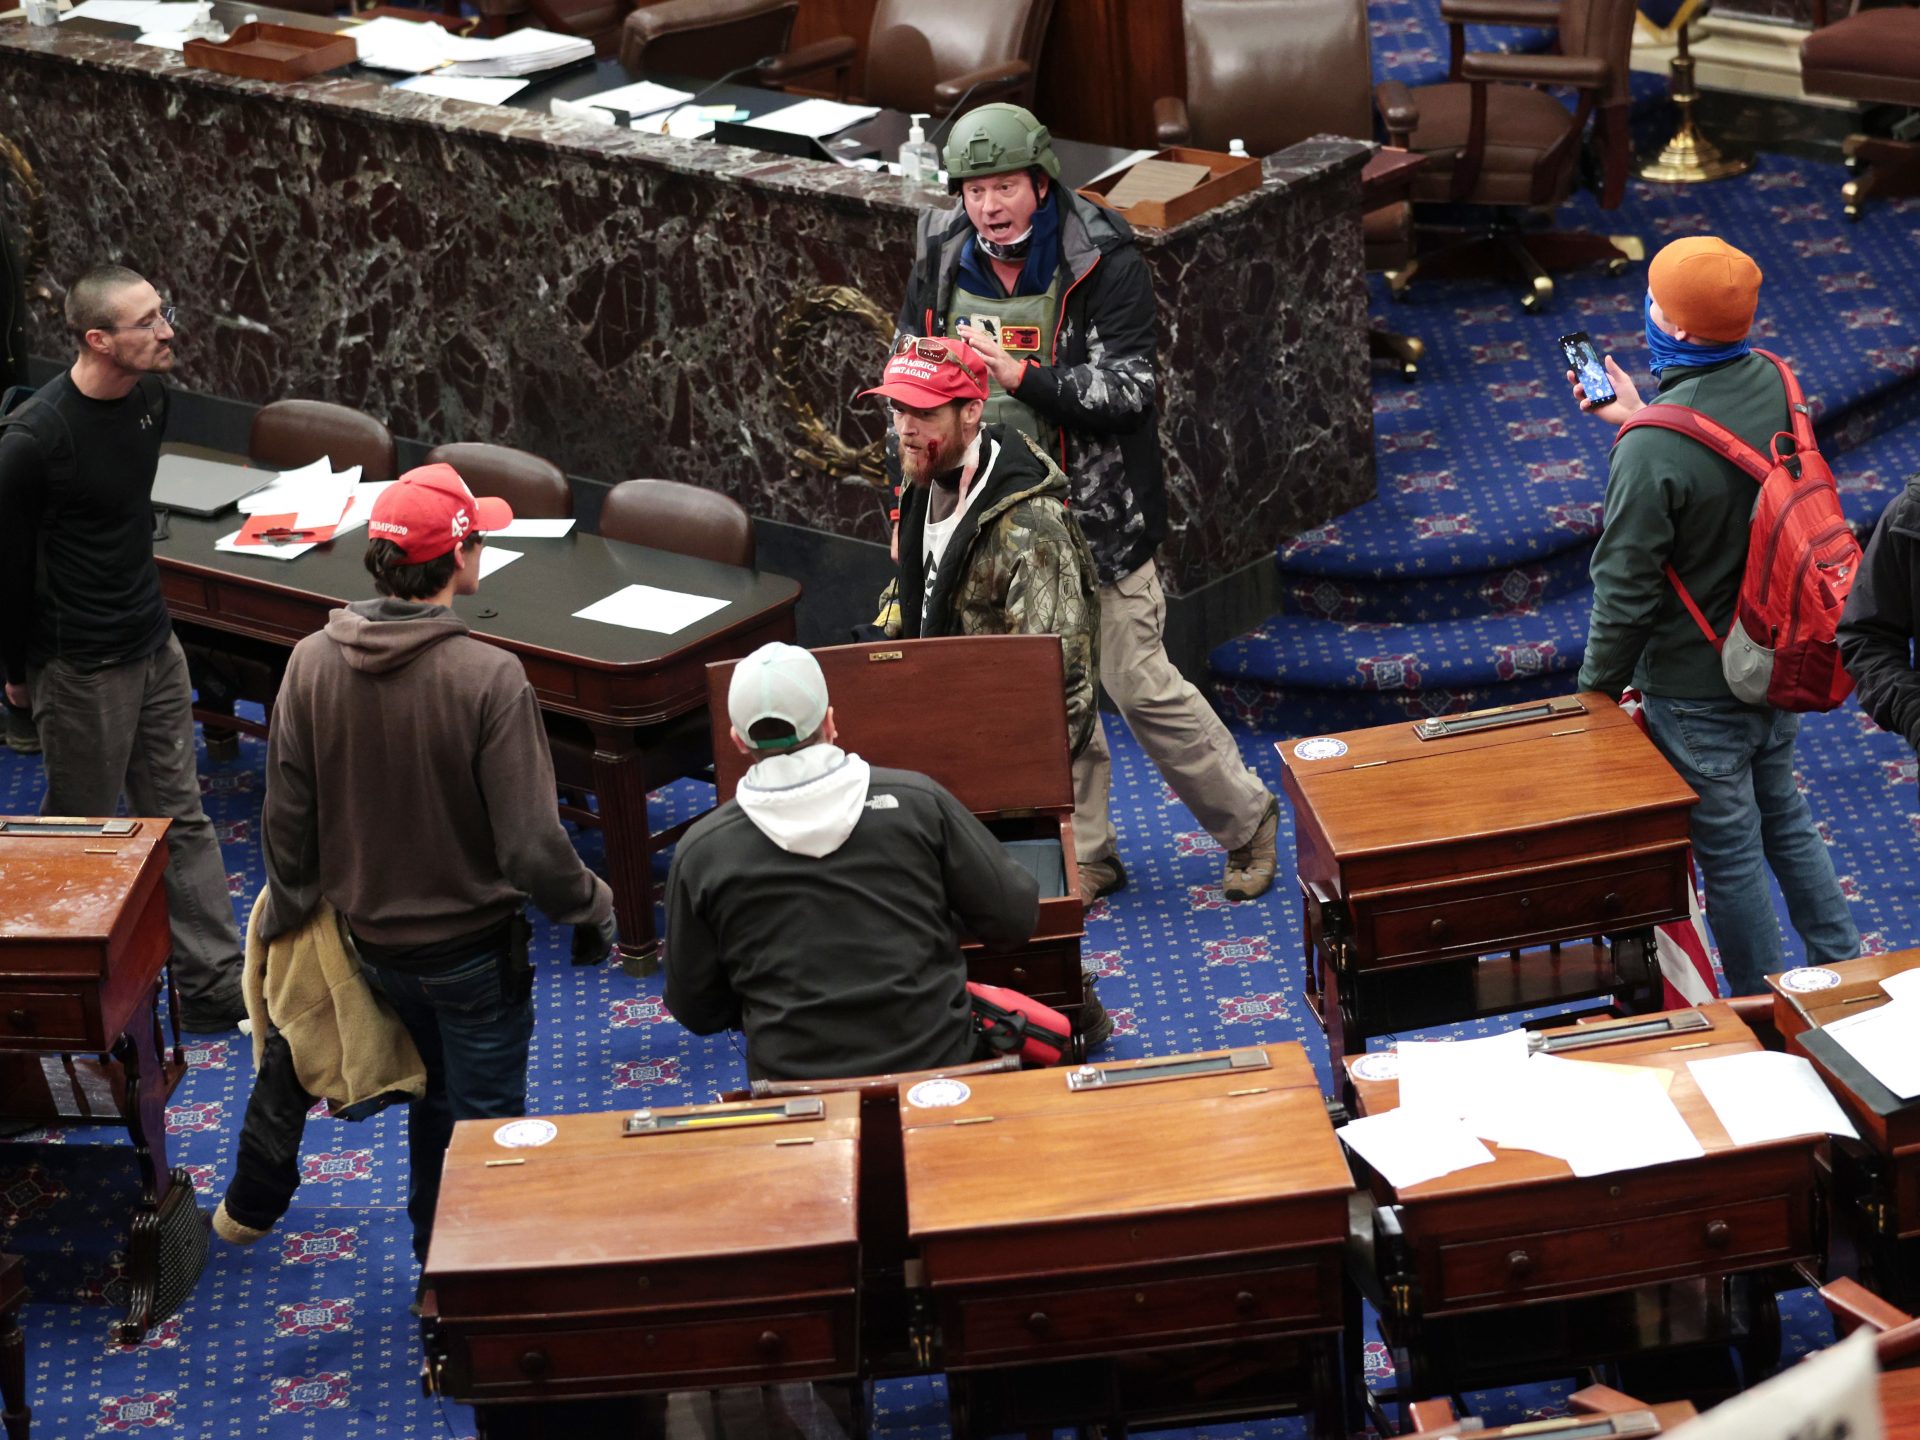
pixel 1689 158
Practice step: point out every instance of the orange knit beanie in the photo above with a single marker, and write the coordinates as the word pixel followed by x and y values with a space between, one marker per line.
pixel 1706 288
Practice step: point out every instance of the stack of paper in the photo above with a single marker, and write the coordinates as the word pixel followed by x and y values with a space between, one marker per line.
pixel 521 52
pixel 120 12
pixel 1765 1095
pixel 411 46
pixel 1886 1040
pixel 463 87
pixel 814 118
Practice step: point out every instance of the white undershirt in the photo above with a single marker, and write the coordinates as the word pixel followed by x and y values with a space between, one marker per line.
pixel 934 536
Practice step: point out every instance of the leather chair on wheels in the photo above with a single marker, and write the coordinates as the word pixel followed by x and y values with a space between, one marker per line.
pixel 1495 137
pixel 536 488
pixel 1871 56
pixel 699 39
pixel 927 56
pixel 1273 73
pixel 687 520
pixel 225 668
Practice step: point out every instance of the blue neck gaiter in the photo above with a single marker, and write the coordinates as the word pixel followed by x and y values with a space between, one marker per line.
pixel 1043 254
pixel 1669 352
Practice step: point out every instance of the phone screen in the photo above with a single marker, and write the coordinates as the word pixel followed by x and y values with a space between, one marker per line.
pixel 1587 368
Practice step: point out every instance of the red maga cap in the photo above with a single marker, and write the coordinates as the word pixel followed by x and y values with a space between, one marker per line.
pixel 426 512
pixel 926 372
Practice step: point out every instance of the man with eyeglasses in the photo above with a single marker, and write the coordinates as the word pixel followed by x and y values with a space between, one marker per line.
pixel 85 638
pixel 1053 294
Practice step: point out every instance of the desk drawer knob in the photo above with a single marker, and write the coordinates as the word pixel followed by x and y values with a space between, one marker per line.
pixel 1039 1322
pixel 1519 1264
pixel 1438 930
pixel 1245 1302
pixel 1019 976
pixel 21 1020
pixel 1719 1233
pixel 1612 902
pixel 769 1343
pixel 535 1365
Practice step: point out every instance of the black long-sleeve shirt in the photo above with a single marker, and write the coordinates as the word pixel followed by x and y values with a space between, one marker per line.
pixel 77 578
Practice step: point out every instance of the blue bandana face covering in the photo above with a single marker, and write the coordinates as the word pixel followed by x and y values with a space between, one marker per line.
pixel 1669 352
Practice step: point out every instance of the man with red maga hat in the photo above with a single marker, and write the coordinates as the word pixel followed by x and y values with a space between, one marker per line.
pixel 409 787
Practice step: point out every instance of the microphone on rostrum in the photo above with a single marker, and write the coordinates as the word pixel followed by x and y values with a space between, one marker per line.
pixel 939 136
pixel 765 62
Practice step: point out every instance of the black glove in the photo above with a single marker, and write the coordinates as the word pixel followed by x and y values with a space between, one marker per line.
pixel 593 943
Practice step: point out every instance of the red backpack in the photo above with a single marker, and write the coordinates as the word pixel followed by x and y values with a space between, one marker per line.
pixel 1802 558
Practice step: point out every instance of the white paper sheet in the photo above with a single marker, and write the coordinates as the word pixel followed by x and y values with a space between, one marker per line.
pixel 814 118
pixel 1765 1095
pixel 1408 1147
pixel 170 19
pixel 643 607
pixel 492 559
pixel 292 550
pixel 115 12
pixel 315 494
pixel 1887 1041
pixel 637 98
pixel 1597 1118
pixel 163 40
pixel 530 529
pixel 1127 164
pixel 410 45
pixel 477 89
pixel 519 52
pixel 1904 985
pixel 1833 1393
pixel 1458 1079
pixel 364 494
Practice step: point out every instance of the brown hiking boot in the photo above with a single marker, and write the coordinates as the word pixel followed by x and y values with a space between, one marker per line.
pixel 1102 877
pixel 1250 867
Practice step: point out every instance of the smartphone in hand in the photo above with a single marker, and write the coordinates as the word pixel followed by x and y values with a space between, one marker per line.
pixel 1588 369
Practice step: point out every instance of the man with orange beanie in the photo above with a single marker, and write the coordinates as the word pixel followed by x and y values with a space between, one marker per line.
pixel 1671 501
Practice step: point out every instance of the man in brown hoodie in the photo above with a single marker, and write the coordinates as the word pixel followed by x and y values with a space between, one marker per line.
pixel 409 785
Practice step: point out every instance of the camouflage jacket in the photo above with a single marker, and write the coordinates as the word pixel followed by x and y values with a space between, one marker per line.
pixel 1015 565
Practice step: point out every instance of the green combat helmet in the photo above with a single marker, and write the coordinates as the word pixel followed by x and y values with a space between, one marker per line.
pixel 995 139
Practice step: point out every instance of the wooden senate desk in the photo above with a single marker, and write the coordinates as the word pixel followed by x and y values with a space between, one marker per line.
pixel 83 941
pixel 628 304
pixel 1550 835
pixel 548 1283
pixel 624 685
pixel 984 715
pixel 1519 1269
pixel 1147 1242
pixel 1877 1179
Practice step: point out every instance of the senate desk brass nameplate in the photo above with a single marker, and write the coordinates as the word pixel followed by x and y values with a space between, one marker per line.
pixel 1677 1024
pixel 787 1112
pixel 1442 727
pixel 69 825
pixel 1098 1077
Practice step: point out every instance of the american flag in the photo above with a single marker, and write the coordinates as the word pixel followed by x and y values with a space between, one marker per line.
pixel 1686 972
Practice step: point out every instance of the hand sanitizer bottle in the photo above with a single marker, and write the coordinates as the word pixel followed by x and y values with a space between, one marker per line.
pixel 919 161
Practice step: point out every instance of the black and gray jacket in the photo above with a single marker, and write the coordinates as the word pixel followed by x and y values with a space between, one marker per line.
pixel 1099 388
pixel 1882 618
pixel 816 911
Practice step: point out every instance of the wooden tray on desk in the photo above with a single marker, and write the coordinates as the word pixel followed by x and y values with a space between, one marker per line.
pixel 1229 177
pixel 261 51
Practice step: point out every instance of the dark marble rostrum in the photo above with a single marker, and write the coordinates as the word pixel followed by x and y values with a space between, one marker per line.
pixel 631 305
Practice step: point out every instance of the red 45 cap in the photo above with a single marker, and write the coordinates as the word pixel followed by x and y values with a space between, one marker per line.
pixel 426 512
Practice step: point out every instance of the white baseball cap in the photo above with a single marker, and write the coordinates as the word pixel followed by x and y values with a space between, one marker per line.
pixel 777 682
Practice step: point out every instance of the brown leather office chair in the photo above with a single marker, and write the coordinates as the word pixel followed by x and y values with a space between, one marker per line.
pixel 1872 56
pixel 688 520
pixel 228 668
pixel 290 433
pixel 698 39
pixel 536 488
pixel 1494 138
pixel 1274 73
pixel 926 56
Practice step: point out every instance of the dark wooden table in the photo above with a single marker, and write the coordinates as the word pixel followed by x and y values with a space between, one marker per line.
pixel 626 685
pixel 549 1284
pixel 1519 1269
pixel 1156 1253
pixel 1877 1178
pixel 83 942
pixel 17 1415
pixel 1551 838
